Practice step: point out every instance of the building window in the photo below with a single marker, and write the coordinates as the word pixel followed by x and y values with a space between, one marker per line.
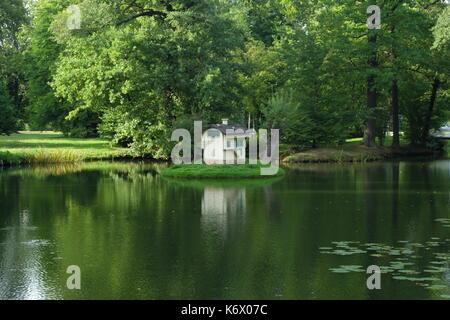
pixel 240 143
pixel 213 133
pixel 213 153
pixel 229 143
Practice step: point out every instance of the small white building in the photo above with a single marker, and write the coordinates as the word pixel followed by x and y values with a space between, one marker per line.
pixel 225 143
pixel 443 132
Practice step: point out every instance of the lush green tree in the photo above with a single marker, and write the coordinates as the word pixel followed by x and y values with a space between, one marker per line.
pixel 12 16
pixel 441 30
pixel 419 73
pixel 337 66
pixel 45 110
pixel 320 67
pixel 39 58
pixel 150 67
pixel 137 69
pixel 8 120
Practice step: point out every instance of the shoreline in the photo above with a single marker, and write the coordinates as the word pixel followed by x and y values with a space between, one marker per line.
pixel 218 171
pixel 341 154
pixel 320 155
pixel 359 154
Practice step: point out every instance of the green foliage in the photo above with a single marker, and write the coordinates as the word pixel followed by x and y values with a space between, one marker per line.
pixel 38 60
pixel 45 110
pixel 137 69
pixel 12 16
pixel 8 121
pixel 324 46
pixel 442 30
pixel 116 127
pixel 304 124
pixel 152 71
pixel 415 106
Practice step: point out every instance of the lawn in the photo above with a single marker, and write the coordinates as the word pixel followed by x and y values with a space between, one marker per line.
pixel 387 141
pixel 46 146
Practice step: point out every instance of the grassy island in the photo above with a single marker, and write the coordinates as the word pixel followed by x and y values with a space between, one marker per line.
pixel 216 171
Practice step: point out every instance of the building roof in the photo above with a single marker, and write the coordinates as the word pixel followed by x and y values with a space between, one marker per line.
pixel 224 127
pixel 443 132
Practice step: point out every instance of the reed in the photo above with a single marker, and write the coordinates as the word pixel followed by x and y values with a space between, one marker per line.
pixel 45 156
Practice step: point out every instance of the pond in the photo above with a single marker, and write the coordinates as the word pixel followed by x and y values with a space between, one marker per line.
pixel 308 235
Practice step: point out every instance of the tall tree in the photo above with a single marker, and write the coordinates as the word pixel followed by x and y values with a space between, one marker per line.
pixel 372 94
pixel 12 17
pixel 151 64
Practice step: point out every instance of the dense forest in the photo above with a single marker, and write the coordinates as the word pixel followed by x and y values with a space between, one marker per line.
pixel 135 70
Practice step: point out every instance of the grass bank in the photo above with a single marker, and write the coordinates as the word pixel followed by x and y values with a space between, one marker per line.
pixel 216 171
pixel 355 153
pixel 52 147
pixel 223 183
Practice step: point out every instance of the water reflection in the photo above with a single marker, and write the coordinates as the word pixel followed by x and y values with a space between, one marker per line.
pixel 22 261
pixel 136 235
pixel 220 206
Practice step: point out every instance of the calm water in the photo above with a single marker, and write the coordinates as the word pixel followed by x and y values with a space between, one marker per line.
pixel 309 235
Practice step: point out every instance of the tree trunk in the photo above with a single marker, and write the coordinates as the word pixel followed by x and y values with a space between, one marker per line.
pixel 427 126
pixel 395 115
pixel 394 93
pixel 370 129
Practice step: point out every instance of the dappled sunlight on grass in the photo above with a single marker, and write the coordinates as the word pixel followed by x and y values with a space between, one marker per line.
pixel 53 146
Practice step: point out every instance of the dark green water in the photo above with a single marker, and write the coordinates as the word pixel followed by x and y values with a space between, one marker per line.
pixel 310 235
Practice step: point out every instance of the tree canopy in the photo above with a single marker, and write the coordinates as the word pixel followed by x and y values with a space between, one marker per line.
pixel 137 69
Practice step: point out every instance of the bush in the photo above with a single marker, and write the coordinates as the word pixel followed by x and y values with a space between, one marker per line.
pixel 116 127
pixel 144 135
pixel 82 124
pixel 301 124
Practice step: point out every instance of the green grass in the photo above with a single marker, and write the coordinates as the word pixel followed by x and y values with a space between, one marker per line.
pixel 53 147
pixel 10 159
pixel 347 153
pixel 216 171
pixel 387 141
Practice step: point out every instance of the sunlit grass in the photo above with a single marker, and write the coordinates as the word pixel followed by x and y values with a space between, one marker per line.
pixel 386 143
pixel 46 156
pixel 53 147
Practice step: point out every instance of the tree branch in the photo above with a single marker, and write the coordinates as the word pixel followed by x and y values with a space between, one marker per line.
pixel 146 13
